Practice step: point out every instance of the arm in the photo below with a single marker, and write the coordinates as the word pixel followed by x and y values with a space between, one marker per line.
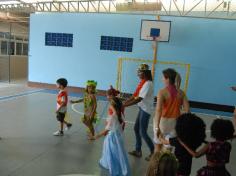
pixel 107 128
pixel 160 100
pixel 132 101
pixel 197 154
pixel 185 104
pixel 76 101
pixel 63 104
pixel 102 133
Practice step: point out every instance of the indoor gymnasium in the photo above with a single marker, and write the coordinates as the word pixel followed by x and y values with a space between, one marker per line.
pixel 117 87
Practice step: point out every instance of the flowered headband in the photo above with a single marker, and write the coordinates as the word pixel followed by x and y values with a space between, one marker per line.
pixel 143 67
pixel 92 83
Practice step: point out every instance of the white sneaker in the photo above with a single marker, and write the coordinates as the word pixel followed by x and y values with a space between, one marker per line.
pixel 58 133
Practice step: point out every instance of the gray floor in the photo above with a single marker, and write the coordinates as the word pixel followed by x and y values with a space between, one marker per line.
pixel 28 147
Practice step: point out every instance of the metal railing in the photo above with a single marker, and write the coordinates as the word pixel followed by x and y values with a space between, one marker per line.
pixel 63 6
pixel 225 9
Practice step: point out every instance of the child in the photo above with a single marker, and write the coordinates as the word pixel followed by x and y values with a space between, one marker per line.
pixel 111 93
pixel 62 99
pixel 190 129
pixel 162 164
pixel 217 152
pixel 114 157
pixel 90 106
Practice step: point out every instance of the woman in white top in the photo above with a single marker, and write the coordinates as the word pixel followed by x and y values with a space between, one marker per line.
pixel 143 96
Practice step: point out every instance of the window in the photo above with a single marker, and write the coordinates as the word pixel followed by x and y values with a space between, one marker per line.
pixel 11 48
pixel 116 43
pixel 4 48
pixel 25 49
pixel 58 39
pixel 18 48
pixel 2 35
pixel 19 38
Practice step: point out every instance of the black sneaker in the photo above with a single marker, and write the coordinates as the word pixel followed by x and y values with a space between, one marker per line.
pixel 136 153
pixel 68 126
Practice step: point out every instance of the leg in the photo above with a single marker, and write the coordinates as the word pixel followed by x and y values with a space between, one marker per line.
pixel 61 126
pixel 91 128
pixel 89 124
pixel 60 118
pixel 144 121
pixel 68 125
pixel 137 133
pixel 137 152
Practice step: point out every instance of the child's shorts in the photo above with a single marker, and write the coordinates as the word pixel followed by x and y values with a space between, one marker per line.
pixel 61 116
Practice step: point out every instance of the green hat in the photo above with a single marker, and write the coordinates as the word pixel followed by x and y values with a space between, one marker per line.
pixel 92 83
pixel 143 67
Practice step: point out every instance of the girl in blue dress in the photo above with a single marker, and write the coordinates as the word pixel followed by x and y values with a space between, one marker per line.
pixel 114 156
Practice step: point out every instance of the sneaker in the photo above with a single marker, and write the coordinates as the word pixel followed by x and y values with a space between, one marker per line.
pixel 136 154
pixel 58 133
pixel 68 126
pixel 149 157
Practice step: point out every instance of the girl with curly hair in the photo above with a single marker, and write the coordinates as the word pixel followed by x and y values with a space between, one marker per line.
pixel 217 152
pixel 190 129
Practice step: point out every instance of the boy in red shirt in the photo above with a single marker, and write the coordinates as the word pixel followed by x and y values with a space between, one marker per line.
pixel 62 100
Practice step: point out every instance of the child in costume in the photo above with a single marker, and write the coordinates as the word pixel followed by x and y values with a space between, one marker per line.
pixel 191 130
pixel 90 106
pixel 62 99
pixel 114 156
pixel 111 93
pixel 217 152
pixel 162 164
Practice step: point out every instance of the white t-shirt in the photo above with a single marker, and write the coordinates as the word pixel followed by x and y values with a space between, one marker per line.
pixel 146 93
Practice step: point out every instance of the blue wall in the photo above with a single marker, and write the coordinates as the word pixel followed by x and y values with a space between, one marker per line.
pixel 207 44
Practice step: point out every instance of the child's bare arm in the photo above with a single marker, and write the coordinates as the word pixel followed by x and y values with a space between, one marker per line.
pixel 195 154
pixel 102 133
pixel 76 101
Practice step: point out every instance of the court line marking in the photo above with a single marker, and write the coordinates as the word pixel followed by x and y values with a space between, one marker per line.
pixel 15 96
